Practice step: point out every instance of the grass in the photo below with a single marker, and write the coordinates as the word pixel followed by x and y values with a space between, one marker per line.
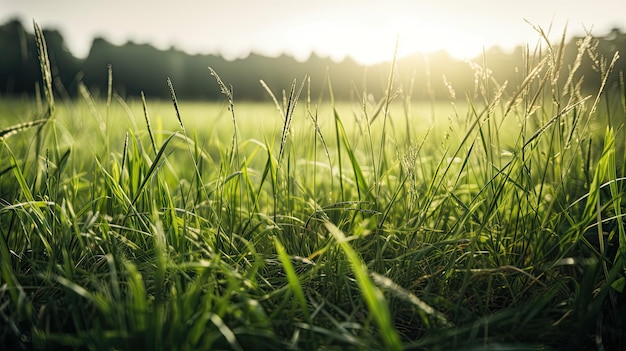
pixel 309 225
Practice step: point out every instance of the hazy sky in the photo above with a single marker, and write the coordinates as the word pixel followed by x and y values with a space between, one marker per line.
pixel 363 29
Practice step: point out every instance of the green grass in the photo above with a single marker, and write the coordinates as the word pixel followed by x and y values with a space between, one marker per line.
pixel 306 223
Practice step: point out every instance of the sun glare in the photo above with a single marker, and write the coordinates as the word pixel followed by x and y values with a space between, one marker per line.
pixel 369 44
pixel 427 35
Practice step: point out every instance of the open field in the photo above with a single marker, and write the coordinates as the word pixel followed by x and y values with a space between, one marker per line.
pixel 491 221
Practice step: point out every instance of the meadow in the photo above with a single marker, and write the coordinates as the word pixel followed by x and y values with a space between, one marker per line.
pixel 491 220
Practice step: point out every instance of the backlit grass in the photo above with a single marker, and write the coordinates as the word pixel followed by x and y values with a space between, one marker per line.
pixel 306 223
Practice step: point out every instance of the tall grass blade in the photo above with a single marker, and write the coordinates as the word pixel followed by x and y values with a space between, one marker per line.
pixel 389 96
pixel 147 118
pixel 155 163
pixel 228 92
pixel 109 91
pixel 124 156
pixel 356 168
pixel 12 130
pixel 271 94
pixel 292 278
pixel 292 101
pixel 175 102
pixel 373 296
pixel 99 301
pixel 44 63
pixel 425 309
pixel 226 332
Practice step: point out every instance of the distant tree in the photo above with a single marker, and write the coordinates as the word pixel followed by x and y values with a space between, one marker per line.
pixel 142 67
pixel 18 62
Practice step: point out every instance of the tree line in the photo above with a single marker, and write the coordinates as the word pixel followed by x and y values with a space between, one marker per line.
pixel 140 68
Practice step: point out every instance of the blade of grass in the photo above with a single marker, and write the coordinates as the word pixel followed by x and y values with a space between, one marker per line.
pixel 152 169
pixel 44 62
pixel 147 117
pixel 292 278
pixel 356 168
pixel 14 129
pixel 373 296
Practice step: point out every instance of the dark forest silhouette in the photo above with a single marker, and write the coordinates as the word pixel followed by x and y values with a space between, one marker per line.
pixel 141 67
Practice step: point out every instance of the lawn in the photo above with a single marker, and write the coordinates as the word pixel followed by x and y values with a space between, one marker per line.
pixel 491 220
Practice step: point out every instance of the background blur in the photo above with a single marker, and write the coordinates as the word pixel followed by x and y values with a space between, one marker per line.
pixel 351 42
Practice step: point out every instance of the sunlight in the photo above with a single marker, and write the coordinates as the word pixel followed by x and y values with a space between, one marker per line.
pixel 370 44
pixel 427 36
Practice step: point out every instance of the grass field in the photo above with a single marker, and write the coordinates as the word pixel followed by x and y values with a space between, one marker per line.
pixel 491 221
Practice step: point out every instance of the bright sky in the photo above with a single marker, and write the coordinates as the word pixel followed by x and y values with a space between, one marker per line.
pixel 363 29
